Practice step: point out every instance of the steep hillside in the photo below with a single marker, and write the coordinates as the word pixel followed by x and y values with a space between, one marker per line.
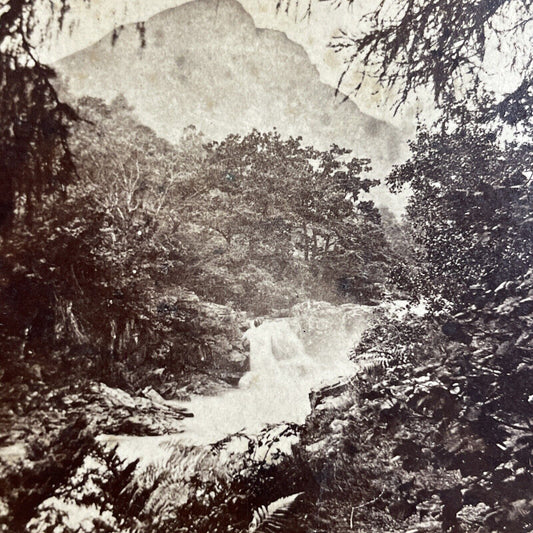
pixel 205 63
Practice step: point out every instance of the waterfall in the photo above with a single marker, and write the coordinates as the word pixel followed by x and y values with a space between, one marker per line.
pixel 288 357
pixel 277 356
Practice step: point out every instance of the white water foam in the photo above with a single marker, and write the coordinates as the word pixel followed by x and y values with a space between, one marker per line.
pixel 285 364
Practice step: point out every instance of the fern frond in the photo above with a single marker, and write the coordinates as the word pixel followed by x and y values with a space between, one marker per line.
pixel 275 517
pixel 222 443
pixel 372 360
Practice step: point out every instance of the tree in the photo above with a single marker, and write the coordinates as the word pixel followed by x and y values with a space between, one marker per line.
pixel 95 281
pixel 442 45
pixel 470 209
pixel 35 156
pixel 34 123
pixel 288 209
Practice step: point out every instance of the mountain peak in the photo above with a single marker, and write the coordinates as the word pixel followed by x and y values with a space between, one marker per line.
pixel 205 63
pixel 217 13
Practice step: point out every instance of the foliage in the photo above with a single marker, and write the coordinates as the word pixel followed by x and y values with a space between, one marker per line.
pixel 292 213
pixel 470 210
pixel 448 393
pixel 437 433
pixel 90 284
pixel 393 340
pixel 36 158
pixel 430 443
pixel 442 46
pixel 195 489
pixel 274 517
pixel 101 488
pixel 50 464
pixel 221 495
pixel 35 155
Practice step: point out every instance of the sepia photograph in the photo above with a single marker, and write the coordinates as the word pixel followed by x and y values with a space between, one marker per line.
pixel 266 266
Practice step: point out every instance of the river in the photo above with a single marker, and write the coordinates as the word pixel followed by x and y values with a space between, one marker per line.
pixel 289 357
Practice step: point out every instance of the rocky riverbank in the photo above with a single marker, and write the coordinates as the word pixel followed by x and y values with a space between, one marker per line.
pixel 309 343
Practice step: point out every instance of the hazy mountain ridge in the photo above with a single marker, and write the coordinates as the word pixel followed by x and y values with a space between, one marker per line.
pixel 205 63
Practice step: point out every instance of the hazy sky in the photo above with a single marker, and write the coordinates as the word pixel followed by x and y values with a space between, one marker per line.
pixel 95 19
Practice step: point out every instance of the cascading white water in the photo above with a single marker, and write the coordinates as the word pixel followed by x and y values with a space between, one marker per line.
pixel 277 356
pixel 288 357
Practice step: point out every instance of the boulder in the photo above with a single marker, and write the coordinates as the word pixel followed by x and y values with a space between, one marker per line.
pixel 317 396
pixel 112 396
pixel 235 361
pixel 153 395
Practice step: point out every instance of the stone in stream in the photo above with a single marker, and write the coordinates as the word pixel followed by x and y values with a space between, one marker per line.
pixel 115 411
pixel 151 394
